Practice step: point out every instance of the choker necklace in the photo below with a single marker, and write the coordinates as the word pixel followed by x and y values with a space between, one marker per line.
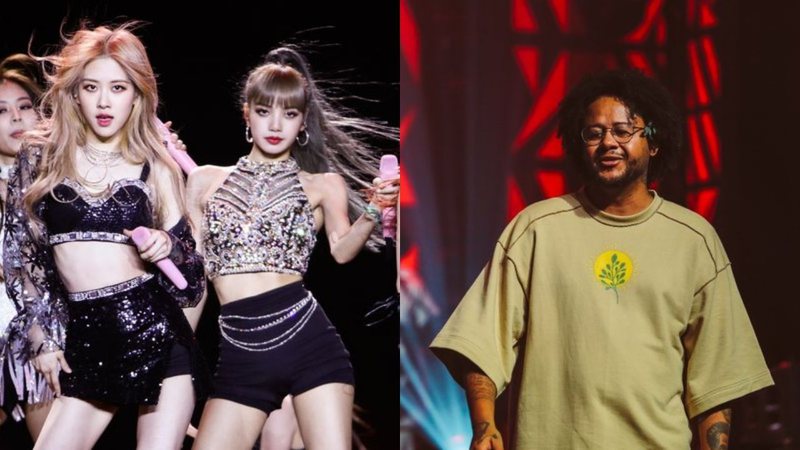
pixel 99 157
pixel 268 168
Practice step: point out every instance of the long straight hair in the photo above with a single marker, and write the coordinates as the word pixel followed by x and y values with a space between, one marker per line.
pixel 336 142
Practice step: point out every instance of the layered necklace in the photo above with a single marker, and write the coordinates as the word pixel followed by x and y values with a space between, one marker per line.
pixel 99 160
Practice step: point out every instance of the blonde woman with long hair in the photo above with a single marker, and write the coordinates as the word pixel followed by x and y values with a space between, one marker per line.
pixel 100 322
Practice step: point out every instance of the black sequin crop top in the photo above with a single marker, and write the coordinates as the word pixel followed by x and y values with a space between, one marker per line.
pixel 259 220
pixel 72 214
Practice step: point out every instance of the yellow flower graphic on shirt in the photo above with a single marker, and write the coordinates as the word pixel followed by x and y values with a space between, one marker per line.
pixel 613 268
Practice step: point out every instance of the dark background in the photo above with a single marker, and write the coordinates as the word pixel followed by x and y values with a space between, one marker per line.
pixel 474 100
pixel 470 98
pixel 201 56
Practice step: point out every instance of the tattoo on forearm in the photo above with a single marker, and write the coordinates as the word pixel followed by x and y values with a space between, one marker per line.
pixel 480 386
pixel 717 435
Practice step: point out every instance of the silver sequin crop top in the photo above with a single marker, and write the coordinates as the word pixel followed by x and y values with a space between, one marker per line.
pixel 259 220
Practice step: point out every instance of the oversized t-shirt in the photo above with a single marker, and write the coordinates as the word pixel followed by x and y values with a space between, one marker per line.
pixel 617 330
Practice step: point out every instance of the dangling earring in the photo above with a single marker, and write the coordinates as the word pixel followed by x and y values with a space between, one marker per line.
pixel 247 136
pixel 302 143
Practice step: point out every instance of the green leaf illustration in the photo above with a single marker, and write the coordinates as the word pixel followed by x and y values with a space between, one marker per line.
pixel 613 274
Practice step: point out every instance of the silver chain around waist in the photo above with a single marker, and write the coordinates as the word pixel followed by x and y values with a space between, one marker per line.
pixel 281 315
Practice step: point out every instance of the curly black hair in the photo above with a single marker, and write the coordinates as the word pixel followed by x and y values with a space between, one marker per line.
pixel 643 96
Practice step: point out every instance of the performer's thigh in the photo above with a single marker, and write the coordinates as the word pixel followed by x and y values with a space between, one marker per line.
pixel 229 425
pixel 280 427
pixel 74 424
pixel 35 415
pixel 164 425
pixel 325 416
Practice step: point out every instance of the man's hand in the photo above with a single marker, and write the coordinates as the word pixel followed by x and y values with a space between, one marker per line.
pixel 485 436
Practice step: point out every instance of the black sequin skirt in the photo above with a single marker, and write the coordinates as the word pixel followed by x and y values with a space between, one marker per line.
pixel 120 340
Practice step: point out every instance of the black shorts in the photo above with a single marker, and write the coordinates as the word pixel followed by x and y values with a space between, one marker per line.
pixel 277 343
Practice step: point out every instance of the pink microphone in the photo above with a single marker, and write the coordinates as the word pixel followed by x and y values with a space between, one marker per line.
pixel 389 171
pixel 139 236
pixel 181 158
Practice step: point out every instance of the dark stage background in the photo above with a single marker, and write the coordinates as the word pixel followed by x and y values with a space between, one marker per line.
pixel 201 55
pixel 480 84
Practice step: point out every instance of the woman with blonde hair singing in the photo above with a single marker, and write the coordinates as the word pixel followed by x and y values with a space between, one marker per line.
pixel 102 325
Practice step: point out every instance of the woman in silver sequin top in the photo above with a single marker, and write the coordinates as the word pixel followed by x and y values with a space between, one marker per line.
pixel 258 221
pixel 102 325
pixel 19 93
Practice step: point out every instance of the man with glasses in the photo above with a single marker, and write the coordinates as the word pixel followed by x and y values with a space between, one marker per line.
pixel 611 314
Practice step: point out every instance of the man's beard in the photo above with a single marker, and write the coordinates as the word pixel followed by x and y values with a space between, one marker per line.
pixel 634 171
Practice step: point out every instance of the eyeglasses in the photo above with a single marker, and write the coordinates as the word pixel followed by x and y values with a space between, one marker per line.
pixel 621 133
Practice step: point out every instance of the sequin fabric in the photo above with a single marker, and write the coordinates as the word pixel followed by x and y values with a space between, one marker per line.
pixel 7 312
pixel 33 284
pixel 189 262
pixel 118 345
pixel 259 220
pixel 108 291
pixel 15 367
pixel 71 213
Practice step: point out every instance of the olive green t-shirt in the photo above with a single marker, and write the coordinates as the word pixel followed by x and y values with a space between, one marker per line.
pixel 618 330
